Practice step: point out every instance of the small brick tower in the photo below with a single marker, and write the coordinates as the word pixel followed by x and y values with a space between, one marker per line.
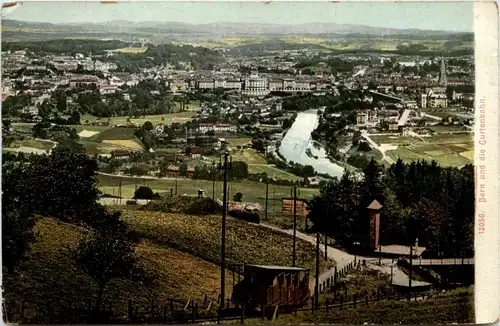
pixel 374 211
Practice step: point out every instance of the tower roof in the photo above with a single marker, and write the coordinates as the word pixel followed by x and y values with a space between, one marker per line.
pixel 375 205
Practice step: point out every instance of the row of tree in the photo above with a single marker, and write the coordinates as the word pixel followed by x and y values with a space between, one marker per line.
pixel 420 200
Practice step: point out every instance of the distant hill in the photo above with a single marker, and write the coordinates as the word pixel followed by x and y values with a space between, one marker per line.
pixel 226 28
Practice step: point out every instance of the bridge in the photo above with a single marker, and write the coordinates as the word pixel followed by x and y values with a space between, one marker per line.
pixel 387 95
pixel 442 262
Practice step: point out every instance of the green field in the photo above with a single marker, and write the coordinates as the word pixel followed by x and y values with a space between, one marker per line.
pixel 252 191
pixel 167 118
pixel 38 144
pixel 115 133
pixel 273 172
pixel 249 156
pixel 395 140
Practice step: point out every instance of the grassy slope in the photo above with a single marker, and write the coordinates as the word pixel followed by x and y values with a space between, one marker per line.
pixel 50 276
pixel 453 307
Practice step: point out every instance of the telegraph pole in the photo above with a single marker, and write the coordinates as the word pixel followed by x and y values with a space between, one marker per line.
pixel 120 192
pixel 267 192
pixel 316 285
pixel 225 167
pixel 326 235
pixel 294 224
pixel 409 281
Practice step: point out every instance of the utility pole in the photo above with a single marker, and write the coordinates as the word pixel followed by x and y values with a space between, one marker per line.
pixel 267 192
pixel 294 224
pixel 120 192
pixel 409 281
pixel 213 188
pixel 316 285
pixel 225 167
pixel 176 187
pixel 392 265
pixel 326 236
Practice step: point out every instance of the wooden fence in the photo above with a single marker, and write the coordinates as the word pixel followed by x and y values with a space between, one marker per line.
pixel 204 309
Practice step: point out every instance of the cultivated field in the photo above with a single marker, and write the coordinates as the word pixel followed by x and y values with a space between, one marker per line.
pixel 446 149
pixel 249 156
pixel 166 118
pixel 33 143
pixel 127 144
pixel 131 50
pixel 200 235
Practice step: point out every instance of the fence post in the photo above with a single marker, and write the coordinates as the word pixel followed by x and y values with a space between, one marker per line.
pixel 355 297
pixel 341 301
pixel 171 307
pixel 313 299
pixel 366 300
pixel 327 304
pixel 164 314
pixel 242 319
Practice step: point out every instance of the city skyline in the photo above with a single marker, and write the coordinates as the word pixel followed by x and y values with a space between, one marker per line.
pixel 445 16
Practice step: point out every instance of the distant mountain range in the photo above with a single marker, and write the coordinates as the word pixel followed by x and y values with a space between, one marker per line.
pixel 224 28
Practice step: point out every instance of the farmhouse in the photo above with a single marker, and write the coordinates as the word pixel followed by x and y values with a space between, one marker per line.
pixel 120 154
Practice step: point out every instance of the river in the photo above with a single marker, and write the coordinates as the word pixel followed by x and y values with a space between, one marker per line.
pixel 298 139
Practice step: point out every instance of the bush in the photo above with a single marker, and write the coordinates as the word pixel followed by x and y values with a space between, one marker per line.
pixel 249 216
pixel 238 196
pixel 143 192
pixel 184 204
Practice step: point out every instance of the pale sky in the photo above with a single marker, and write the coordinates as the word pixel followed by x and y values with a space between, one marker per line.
pixel 450 16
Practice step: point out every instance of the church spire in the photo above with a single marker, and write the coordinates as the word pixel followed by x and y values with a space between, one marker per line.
pixel 443 80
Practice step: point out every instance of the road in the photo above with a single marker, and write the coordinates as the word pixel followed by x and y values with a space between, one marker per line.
pixel 381 149
pixel 343 259
pixel 431 116
pixel 404 118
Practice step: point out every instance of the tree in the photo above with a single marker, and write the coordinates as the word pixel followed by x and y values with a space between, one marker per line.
pixel 148 125
pixel 17 237
pixel 143 192
pixel 307 171
pixel 105 256
pixel 115 164
pixel 65 183
pixel 183 170
pixel 286 124
pixel 238 197
pixel 239 170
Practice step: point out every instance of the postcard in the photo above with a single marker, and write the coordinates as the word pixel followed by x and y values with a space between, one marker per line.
pixel 222 162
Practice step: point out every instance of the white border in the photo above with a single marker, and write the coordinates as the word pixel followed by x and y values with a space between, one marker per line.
pixel 487 244
pixel 486 239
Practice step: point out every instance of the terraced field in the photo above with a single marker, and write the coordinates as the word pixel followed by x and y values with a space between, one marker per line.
pixel 200 236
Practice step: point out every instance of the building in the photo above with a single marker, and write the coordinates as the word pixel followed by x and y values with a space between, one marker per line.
pixel 361 118
pixel 216 127
pixel 434 98
pixel 84 81
pixel 255 85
